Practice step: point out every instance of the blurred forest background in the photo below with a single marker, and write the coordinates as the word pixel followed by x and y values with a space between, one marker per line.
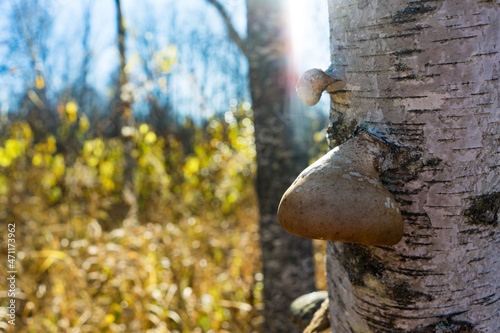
pixel 127 163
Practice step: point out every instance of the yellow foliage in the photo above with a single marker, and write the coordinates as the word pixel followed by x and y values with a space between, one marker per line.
pixel 58 166
pixel 39 82
pixel 192 166
pixel 150 138
pixel 13 148
pixel 37 159
pixel 134 60
pixel 4 185
pixel 319 137
pixel 106 169
pixel 143 129
pixel 5 159
pixel 107 184
pixel 51 144
pixel 84 123
pixel 166 58
pixel 110 318
pixel 71 110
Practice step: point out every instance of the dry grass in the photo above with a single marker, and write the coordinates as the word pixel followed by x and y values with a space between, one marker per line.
pixel 188 275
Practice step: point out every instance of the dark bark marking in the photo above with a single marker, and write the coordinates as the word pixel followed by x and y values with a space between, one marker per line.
pixel 447 63
pixel 460 83
pixel 378 325
pixel 472 26
pixel 347 47
pixel 396 53
pixel 340 130
pixel 483 300
pixel 375 37
pixel 408 14
pixel 418 28
pixel 404 78
pixel 420 111
pixel 484 210
pixel 402 294
pixel 466 148
pixel 447 326
pixel 403 202
pixel 485 54
pixel 407 52
pixel 475 260
pixel 454 97
pixel 362 27
pixel 443 90
pixel 408 241
pixel 474 231
pixel 373 55
pixel 358 261
pixel 401 67
pixel 412 77
pixel 391 97
pixel 449 17
pixel 452 39
pixel 494 301
pixel 371 71
pixel 409 257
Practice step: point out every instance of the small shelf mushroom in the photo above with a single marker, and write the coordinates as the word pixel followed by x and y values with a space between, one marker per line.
pixel 340 197
pixel 312 84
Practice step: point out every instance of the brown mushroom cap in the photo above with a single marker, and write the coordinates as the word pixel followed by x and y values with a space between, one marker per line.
pixel 340 197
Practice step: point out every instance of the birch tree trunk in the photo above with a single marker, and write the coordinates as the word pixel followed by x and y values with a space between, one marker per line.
pixel 424 76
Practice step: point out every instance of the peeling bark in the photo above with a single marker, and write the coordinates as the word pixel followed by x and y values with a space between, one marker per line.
pixel 424 76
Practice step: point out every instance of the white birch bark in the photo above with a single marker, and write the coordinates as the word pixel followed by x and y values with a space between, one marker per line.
pixel 424 76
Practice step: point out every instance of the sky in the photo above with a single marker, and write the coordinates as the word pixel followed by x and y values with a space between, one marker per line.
pixel 197 18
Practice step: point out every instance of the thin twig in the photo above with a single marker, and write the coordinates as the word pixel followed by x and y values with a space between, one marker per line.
pixel 232 31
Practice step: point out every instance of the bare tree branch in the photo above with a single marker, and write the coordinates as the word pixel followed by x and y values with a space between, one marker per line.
pixel 233 34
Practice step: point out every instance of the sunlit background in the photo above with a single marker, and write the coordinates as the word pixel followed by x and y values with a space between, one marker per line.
pixel 191 261
pixel 200 65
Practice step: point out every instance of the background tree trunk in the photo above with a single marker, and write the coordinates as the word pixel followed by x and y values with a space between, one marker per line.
pixel 287 261
pixel 423 75
pixel 125 122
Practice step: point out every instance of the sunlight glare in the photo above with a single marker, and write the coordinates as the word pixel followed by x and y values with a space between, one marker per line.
pixel 308 22
pixel 297 22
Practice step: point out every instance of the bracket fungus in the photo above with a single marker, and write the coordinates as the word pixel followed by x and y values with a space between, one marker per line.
pixel 340 197
pixel 312 84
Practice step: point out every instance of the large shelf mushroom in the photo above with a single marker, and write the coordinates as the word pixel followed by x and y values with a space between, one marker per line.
pixel 340 197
